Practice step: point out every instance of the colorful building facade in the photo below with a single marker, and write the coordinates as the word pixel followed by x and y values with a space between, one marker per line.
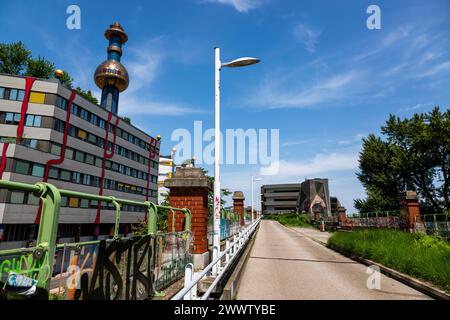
pixel 50 133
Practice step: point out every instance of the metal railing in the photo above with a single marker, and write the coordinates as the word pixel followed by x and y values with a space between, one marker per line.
pixel 124 268
pixel 223 261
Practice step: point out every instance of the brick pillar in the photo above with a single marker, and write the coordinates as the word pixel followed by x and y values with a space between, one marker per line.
pixel 341 214
pixel 410 207
pixel 189 188
pixel 238 205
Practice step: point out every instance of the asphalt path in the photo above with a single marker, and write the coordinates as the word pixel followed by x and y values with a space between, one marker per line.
pixel 285 264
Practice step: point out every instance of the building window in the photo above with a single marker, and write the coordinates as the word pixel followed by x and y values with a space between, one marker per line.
pixel 65 175
pixel 55 149
pixel 89 159
pixel 84 203
pixel 17 197
pixel 74 109
pixel 84 114
pixel 94 119
pixel 2 93
pixel 76 177
pixel 98 162
pixel 69 153
pixel 92 138
pixel 22 167
pixel 53 173
pixel 87 180
pixel 58 125
pixel 63 201
pixel 79 156
pixel 74 202
pixel 13 94
pixel 61 103
pixel 38 170
pixel 82 134
pixel 32 199
pixel 33 120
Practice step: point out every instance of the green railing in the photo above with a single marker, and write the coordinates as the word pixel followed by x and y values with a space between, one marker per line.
pixel 125 268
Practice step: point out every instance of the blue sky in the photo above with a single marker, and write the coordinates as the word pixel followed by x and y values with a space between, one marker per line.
pixel 325 80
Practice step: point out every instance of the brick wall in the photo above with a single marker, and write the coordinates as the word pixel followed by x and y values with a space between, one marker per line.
pixel 196 200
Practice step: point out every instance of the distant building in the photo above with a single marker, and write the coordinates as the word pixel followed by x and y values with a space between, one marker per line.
pixel 164 172
pixel 279 198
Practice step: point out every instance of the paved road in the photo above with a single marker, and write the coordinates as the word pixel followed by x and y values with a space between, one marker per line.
pixel 284 264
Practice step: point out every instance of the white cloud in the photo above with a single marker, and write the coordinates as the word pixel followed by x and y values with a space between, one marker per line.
pixel 415 107
pixel 143 64
pixel 356 139
pixel 444 66
pixel 340 167
pixel 240 5
pixel 307 36
pixel 319 164
pixel 133 105
pixel 400 33
pixel 327 90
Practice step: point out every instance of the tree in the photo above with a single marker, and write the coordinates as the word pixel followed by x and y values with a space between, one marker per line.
pixel 87 95
pixel 66 80
pixel 13 57
pixel 39 68
pixel 223 193
pixel 414 156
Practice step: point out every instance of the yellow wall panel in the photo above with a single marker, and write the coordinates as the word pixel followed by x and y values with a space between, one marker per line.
pixel 37 97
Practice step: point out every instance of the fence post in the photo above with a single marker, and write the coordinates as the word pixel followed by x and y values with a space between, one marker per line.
pixel 188 217
pixel 215 268
pixel 227 255
pixel 117 218
pixel 46 239
pixel 188 277
pixel 152 218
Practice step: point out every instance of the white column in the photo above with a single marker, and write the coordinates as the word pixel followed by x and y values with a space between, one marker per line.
pixel 216 235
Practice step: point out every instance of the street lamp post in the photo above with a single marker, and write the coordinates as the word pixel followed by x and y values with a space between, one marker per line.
pixel 253 179
pixel 241 62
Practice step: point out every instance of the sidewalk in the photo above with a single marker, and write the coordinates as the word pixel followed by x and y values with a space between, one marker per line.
pixel 313 233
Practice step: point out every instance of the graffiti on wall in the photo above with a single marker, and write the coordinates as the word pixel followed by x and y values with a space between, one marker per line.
pixel 21 274
pixel 122 271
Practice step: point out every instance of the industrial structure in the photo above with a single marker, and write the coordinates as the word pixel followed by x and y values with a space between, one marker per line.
pixel 312 197
pixel 51 133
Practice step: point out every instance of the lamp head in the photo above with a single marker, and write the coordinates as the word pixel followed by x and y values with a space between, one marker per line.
pixel 241 62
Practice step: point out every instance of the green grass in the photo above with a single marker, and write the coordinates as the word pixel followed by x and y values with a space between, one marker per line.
pixel 292 220
pixel 421 256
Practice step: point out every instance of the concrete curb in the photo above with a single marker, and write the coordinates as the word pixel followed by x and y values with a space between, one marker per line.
pixel 423 287
pixel 231 287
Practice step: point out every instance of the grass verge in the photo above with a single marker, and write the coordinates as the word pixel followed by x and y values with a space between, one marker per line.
pixel 421 256
pixel 291 220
